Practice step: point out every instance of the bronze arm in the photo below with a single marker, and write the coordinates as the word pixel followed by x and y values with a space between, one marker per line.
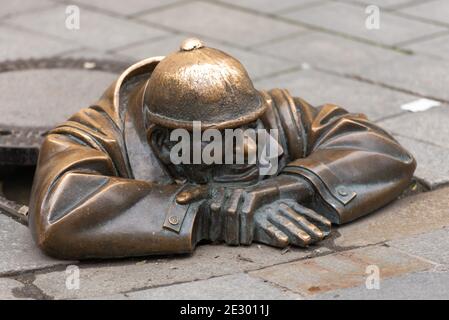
pixel 355 166
pixel 85 205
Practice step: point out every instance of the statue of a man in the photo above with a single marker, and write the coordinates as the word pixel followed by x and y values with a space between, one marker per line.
pixel 106 185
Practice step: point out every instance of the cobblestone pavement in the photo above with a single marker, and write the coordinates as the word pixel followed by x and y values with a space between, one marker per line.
pixel 320 50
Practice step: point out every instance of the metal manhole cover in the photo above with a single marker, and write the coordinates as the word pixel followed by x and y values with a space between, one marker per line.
pixel 63 63
pixel 36 95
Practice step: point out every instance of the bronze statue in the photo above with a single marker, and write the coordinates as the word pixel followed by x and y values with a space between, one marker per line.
pixel 105 185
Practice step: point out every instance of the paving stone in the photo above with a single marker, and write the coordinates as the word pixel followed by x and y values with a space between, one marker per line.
pixel 433 246
pixel 256 64
pixel 434 10
pixel 234 287
pixel 129 7
pixel 206 262
pixel 438 46
pixel 18 44
pixel 428 126
pixel 393 29
pixel 97 31
pixel 403 218
pixel 156 47
pixel 329 52
pixel 50 96
pixel 82 53
pixel 417 73
pixel 340 270
pixel 6 288
pixel 15 7
pixel 318 88
pixel 17 249
pixel 270 6
pixel 390 4
pixel 414 286
pixel 218 22
pixel 432 165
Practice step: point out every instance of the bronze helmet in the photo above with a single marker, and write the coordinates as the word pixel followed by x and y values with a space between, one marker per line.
pixel 198 83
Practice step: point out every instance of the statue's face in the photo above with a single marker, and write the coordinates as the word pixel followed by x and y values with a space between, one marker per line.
pixel 195 160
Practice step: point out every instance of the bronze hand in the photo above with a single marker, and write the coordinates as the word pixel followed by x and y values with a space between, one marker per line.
pixel 289 223
pixel 232 210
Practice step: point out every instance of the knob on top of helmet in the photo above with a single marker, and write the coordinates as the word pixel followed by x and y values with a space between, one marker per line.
pixel 198 83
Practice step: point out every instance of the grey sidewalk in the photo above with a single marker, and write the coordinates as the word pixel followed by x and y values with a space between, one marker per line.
pixel 321 51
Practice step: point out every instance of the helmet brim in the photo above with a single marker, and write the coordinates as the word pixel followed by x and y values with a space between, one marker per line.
pixel 250 115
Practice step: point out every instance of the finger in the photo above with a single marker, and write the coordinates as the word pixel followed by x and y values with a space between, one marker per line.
pixel 216 218
pixel 267 233
pixel 252 201
pixel 259 197
pixel 301 222
pixel 191 194
pixel 247 218
pixel 232 228
pixel 323 223
pixel 296 235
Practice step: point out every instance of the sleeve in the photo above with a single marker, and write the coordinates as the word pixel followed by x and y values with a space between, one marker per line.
pixel 354 165
pixel 85 203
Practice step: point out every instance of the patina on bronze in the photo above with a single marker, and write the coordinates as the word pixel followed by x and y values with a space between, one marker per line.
pixel 105 186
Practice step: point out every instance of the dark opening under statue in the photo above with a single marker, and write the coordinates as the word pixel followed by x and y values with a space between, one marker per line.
pixel 105 185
